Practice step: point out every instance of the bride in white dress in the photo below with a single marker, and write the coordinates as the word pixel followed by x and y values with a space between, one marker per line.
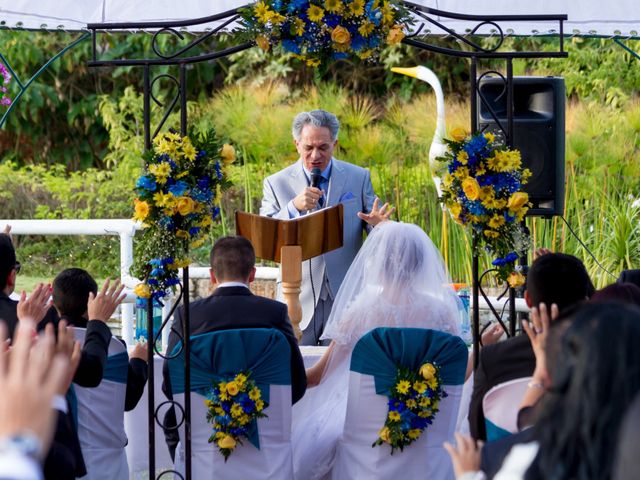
pixel 398 279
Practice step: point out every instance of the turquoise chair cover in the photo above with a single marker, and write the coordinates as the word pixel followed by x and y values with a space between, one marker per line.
pixel 117 368
pixel 219 356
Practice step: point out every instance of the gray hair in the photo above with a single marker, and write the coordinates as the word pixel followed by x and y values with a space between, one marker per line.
pixel 317 118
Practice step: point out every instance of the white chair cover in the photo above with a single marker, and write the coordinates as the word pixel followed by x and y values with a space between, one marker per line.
pixel 500 406
pixel 272 461
pixel 101 420
pixel 366 411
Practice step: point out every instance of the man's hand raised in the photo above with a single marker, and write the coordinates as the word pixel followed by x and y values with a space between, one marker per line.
pixel 377 215
pixel 34 307
pixel 101 306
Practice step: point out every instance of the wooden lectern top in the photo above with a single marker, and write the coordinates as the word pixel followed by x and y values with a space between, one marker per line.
pixel 317 233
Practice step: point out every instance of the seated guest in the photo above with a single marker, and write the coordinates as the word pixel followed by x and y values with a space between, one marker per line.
pixel 231 306
pixel 553 278
pixel 102 440
pixel 622 292
pixel 595 378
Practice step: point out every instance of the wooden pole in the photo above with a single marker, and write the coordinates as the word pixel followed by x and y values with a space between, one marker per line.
pixel 291 259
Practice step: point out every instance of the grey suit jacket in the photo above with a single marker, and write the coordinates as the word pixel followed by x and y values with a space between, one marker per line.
pixel 349 185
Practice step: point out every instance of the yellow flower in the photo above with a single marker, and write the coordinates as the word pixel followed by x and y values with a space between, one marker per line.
pixel 312 62
pixel 236 410
pixel 363 54
pixel 262 12
pixel 315 13
pixel 228 154
pixel 259 405
pixel 455 209
pixel 496 221
pixel 394 416
pixel 182 234
pixel 219 411
pixel 262 43
pixel 366 28
pixel 142 290
pixel 463 157
pixel 227 442
pixel 233 388
pixel 241 379
pixel 517 201
pixel 447 179
pixel 419 387
pixel 185 205
pixel 356 8
pixel 471 188
pixel 491 234
pixel 277 19
pixel 198 243
pixel 255 394
pixel 425 401
pixel 385 434
pixel 403 386
pixel 515 279
pixel 141 210
pixel 206 221
pixel 244 419
pixel 387 14
pixel 334 6
pixel 526 175
pixel 433 383
pixel 411 403
pixel 461 173
pixel 414 433
pixel 161 171
pixel 490 137
pixel 395 35
pixel 188 150
pixel 340 36
pixel 459 134
pixel 298 27
pixel 427 371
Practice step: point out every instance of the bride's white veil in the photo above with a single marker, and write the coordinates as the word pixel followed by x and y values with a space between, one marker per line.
pixel 398 279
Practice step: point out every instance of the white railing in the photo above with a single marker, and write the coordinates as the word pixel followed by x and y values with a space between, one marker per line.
pixel 126 230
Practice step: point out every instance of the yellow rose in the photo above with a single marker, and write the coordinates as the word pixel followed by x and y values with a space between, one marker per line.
pixel 185 205
pixel 263 43
pixel 227 442
pixel 385 434
pixel 141 210
pixel 228 154
pixel 142 290
pixel 427 371
pixel 515 279
pixel 517 200
pixel 233 388
pixel 395 35
pixel 458 134
pixel 471 188
pixel 341 36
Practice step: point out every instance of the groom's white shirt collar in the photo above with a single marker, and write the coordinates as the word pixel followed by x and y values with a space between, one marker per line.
pixel 232 284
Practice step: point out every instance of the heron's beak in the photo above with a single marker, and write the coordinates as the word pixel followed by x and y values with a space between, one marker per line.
pixel 410 72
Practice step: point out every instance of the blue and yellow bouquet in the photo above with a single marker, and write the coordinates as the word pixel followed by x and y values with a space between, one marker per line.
pixel 413 404
pixel 176 200
pixel 317 31
pixel 482 188
pixel 232 409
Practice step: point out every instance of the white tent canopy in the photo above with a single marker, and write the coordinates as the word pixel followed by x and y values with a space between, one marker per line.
pixel 585 17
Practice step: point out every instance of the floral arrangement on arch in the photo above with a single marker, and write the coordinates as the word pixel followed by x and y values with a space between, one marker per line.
pixel 482 189
pixel 176 200
pixel 232 407
pixel 317 31
pixel 6 78
pixel 413 404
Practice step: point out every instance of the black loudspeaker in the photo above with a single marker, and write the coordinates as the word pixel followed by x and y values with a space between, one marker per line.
pixel 538 124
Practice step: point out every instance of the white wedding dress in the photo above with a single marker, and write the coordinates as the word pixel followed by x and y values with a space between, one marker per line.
pixel 397 280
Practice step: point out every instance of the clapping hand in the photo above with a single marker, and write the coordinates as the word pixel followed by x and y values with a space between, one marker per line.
pixel 465 456
pixel 101 306
pixel 377 215
pixel 538 331
pixel 35 306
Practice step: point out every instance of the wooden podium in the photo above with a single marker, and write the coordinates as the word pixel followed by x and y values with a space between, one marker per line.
pixel 289 242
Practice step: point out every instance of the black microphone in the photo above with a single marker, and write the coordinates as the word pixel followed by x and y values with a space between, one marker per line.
pixel 316 177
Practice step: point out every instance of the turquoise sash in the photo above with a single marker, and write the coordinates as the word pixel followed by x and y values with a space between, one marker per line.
pixel 495 432
pixel 382 350
pixel 219 356
pixel 117 368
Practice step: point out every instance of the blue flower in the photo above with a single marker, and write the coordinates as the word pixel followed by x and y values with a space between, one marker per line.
pixel 201 154
pixel 339 55
pixel 178 188
pixel 331 20
pixel 218 171
pixel 204 182
pixel 157 272
pixel 358 43
pixel 147 182
pixel 166 222
pixel 155 262
pixel 194 231
pixel 291 46
pixel 170 282
pixel 247 404
pixel 297 5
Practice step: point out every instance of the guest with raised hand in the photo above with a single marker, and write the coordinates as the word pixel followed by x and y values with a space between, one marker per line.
pixel 29 380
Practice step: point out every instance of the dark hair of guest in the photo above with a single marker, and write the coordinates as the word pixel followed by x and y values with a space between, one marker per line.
pixel 622 292
pixel 232 257
pixel 71 290
pixel 7 259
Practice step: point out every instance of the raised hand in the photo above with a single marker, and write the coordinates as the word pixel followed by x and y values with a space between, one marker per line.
pixel 491 335
pixel 465 456
pixel 36 305
pixel 307 199
pixel 140 351
pixel 377 215
pixel 101 306
pixel 537 331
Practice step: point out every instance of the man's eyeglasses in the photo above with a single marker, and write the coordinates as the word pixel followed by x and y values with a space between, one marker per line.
pixel 17 267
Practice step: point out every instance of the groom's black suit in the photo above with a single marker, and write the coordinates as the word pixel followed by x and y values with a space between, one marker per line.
pixel 236 307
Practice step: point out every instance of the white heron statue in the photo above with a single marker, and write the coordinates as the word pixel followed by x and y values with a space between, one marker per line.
pixel 438 147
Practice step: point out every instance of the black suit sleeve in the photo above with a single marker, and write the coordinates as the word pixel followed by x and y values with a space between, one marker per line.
pixel 64 459
pixel 298 372
pixel 136 380
pixel 94 355
pixel 480 387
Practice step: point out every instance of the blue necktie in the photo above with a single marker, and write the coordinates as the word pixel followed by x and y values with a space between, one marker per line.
pixel 322 186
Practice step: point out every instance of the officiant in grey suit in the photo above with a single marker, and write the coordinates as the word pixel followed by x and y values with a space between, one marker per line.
pixel 317 180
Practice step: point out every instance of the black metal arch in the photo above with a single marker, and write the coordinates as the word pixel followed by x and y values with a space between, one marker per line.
pixel 182 57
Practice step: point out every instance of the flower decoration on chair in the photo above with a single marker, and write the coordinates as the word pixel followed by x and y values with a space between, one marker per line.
pixel 6 78
pixel 177 202
pixel 482 189
pixel 233 407
pixel 319 31
pixel 413 404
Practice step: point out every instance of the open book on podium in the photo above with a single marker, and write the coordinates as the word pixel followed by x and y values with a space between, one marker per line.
pixel 290 242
